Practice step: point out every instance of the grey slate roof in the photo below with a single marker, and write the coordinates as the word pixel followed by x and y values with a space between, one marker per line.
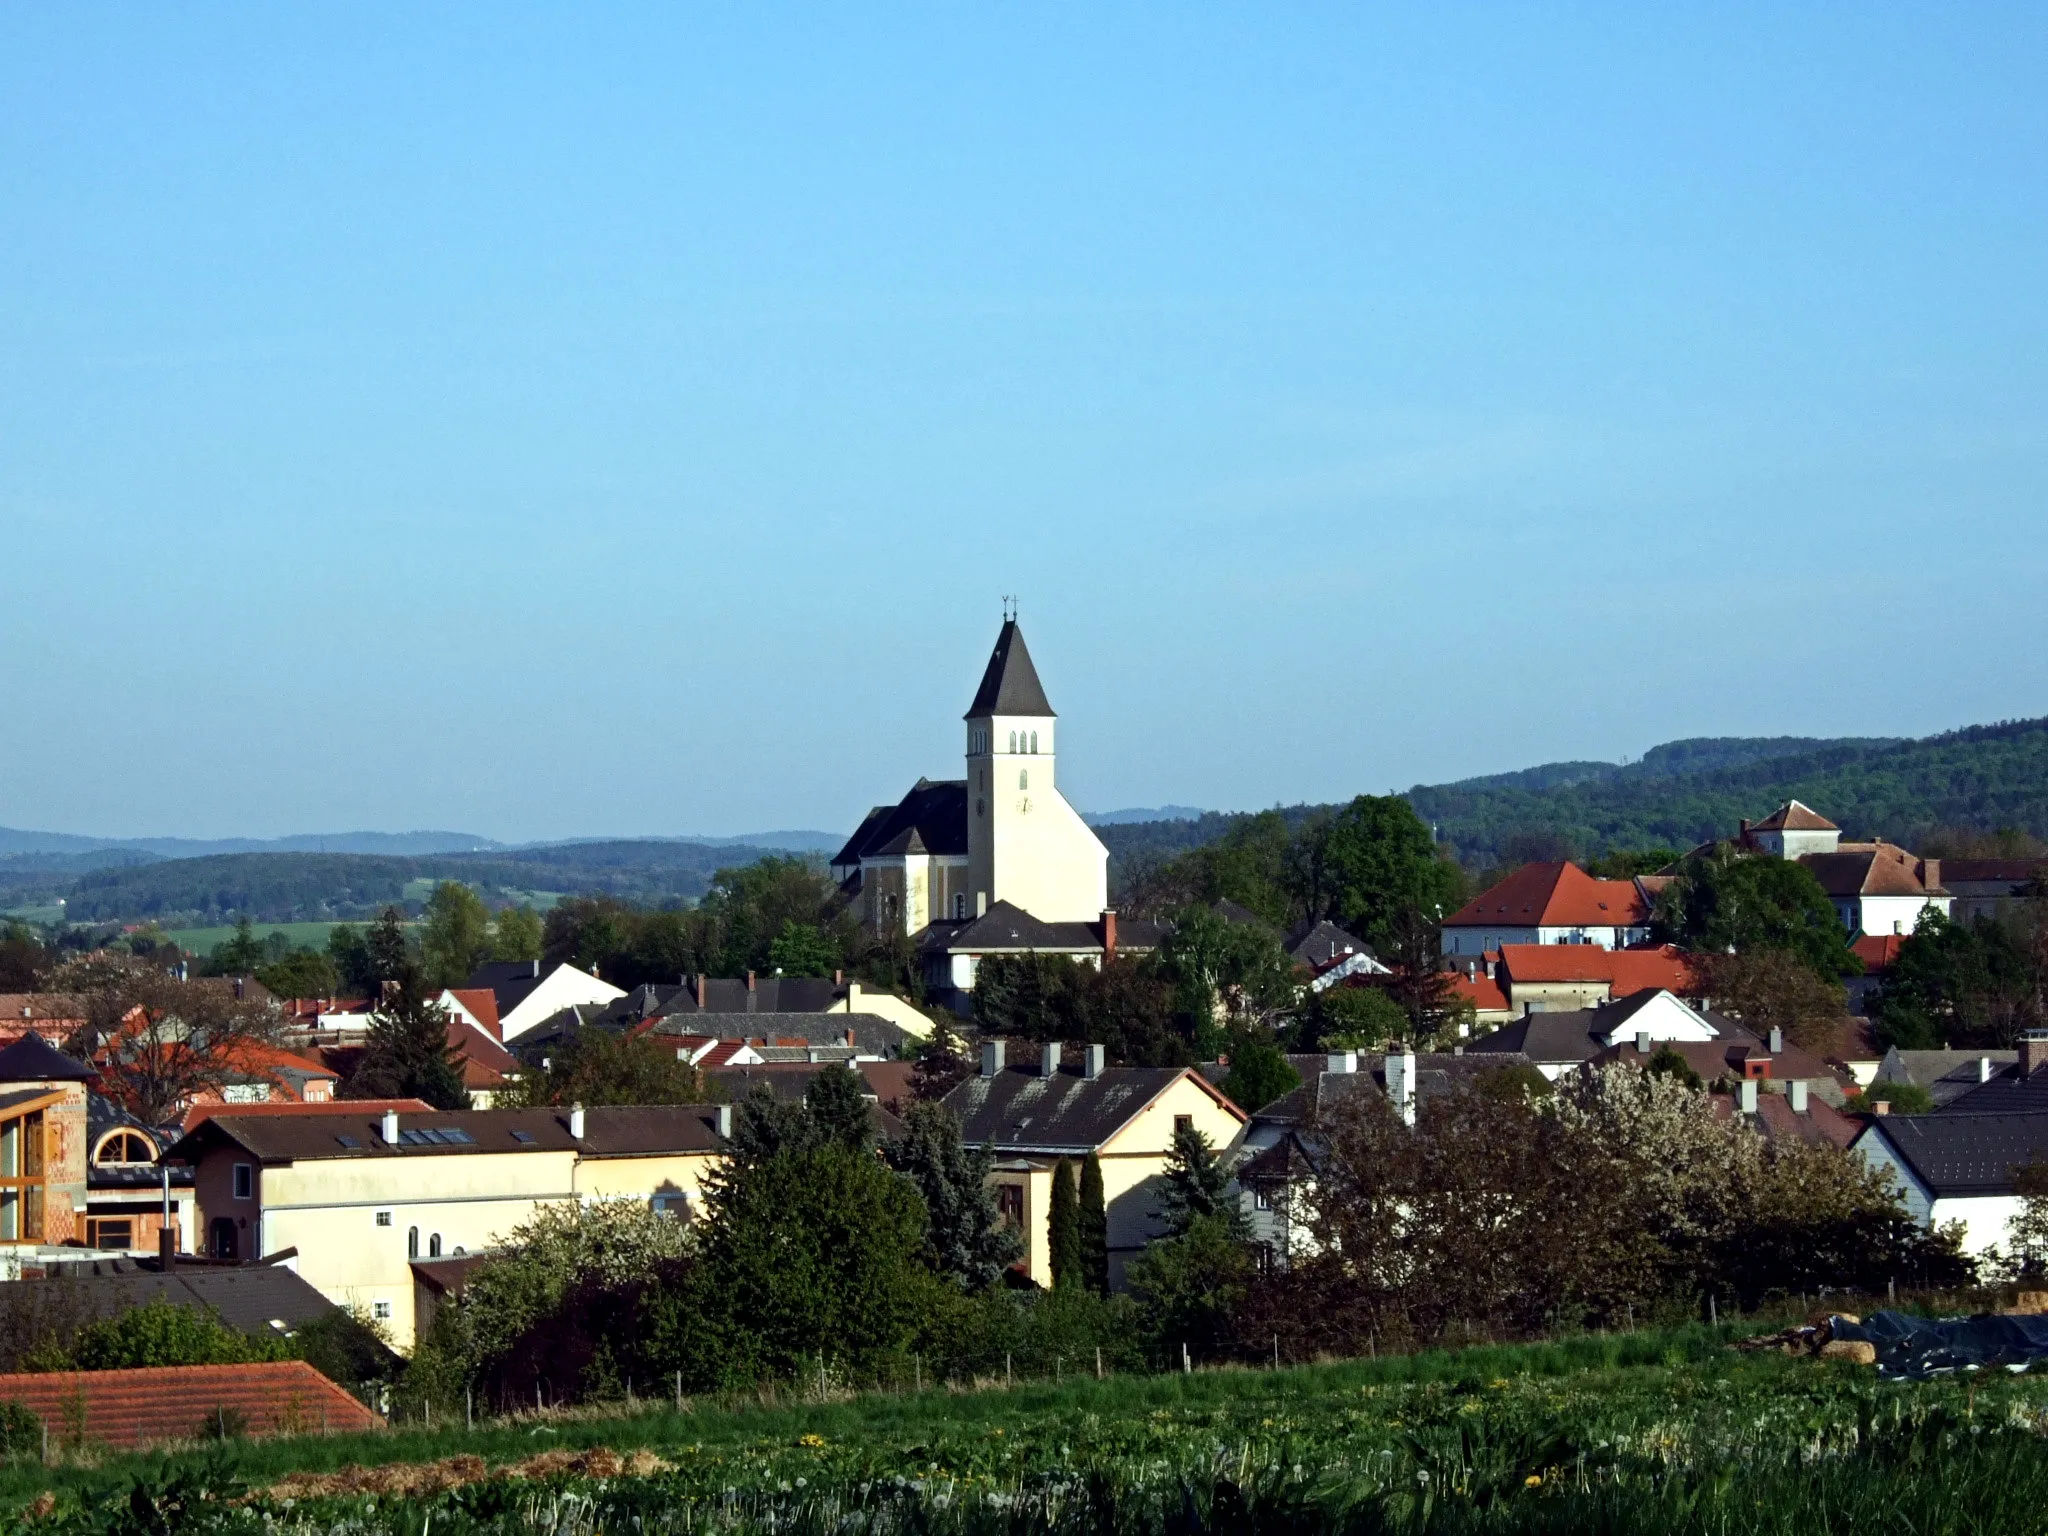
pixel 1572 1035
pixel 1437 1074
pixel 2006 1093
pixel 1007 927
pixel 1010 685
pixel 510 980
pixel 1955 1154
pixel 32 1059
pixel 1946 1075
pixel 1316 945
pixel 609 1131
pixel 872 1034
pixel 247 1297
pixel 1019 1111
pixel 935 810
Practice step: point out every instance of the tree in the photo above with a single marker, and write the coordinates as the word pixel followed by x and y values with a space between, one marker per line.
pixel 808 1255
pixel 1960 984
pixel 837 1102
pixel 1727 900
pixel 457 936
pixel 237 956
pixel 599 1066
pixel 941 1061
pixel 2027 1229
pixel 1259 1072
pixel 407 1053
pixel 1346 1017
pixel 1621 864
pixel 516 934
pixel 1368 863
pixel 1420 984
pixel 1126 1006
pixel 160 1334
pixel 1063 1228
pixel 22 958
pixel 1897 1099
pixel 1094 1227
pixel 802 949
pixel 160 1043
pixel 350 953
pixel 1666 1062
pixel 1190 1288
pixel 966 1239
pixel 1222 969
pixel 1775 989
pixel 302 973
pixel 1196 1179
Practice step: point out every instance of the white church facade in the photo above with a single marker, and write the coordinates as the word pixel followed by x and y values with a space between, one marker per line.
pixel 995 862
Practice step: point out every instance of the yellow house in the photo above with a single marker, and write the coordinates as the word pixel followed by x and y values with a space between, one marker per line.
pixel 1036 1114
pixel 361 1199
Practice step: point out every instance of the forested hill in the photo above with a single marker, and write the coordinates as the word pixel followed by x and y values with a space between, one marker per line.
pixel 309 887
pixel 1985 777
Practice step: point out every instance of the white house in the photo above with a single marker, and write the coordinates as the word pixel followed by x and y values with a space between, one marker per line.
pixel 1562 1042
pixel 530 992
pixel 1953 1166
pixel 1877 888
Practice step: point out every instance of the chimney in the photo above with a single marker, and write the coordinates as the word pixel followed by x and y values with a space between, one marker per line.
pixel 1881 1107
pixel 1795 1091
pixel 991 1058
pixel 1749 1095
pixel 576 1121
pixel 389 1129
pixel 1108 934
pixel 1777 1041
pixel 1983 1069
pixel 1049 1059
pixel 1342 1063
pixel 1401 1084
pixel 852 996
pixel 166 1249
pixel 2033 1051
pixel 1642 1042
pixel 1092 1061
pixel 750 981
pixel 534 968
pixel 723 1121
pixel 981 903
pixel 1744 826
pixel 1930 874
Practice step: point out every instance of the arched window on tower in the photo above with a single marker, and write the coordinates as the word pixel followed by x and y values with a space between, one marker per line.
pixel 1013 741
pixel 1034 742
pixel 1023 778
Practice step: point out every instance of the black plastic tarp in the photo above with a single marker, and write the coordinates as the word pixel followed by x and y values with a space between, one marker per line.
pixel 1909 1347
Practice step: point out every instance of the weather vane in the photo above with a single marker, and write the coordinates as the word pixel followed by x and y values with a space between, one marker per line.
pixel 1009 608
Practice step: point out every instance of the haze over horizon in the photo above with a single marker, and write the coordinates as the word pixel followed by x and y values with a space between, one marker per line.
pixel 546 422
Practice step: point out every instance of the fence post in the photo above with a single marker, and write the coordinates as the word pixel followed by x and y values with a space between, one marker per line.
pixel 1891 1290
pixel 1187 1366
pixel 1098 1362
pixel 679 1391
pixel 1713 1311
pixel 1007 1379
pixel 917 1372
pixel 1276 1351
pixel 468 1409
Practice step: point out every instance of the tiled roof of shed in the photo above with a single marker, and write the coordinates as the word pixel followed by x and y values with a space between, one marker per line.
pixel 131 1409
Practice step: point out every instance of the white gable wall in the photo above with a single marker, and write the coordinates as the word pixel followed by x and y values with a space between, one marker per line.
pixel 1664 1017
pixel 563 987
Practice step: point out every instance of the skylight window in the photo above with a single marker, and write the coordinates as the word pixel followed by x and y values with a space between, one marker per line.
pixel 350 1142
pixel 524 1138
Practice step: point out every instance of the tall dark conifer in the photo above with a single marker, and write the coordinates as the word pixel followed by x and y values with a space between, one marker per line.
pixel 1094 1228
pixel 1068 1256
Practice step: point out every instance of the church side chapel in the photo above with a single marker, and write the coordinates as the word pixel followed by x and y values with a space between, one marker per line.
pixel 996 862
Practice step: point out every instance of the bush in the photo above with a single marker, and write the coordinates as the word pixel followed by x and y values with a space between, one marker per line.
pixel 163 1334
pixel 21 1432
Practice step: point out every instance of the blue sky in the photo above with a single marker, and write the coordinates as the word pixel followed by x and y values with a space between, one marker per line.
pixel 548 421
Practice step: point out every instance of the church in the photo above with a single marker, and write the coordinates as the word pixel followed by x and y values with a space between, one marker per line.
pixel 993 863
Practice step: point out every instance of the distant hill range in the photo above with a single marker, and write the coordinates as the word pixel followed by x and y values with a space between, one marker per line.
pixel 1684 792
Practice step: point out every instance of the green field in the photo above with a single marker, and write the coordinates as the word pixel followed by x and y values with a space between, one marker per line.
pixel 201 941
pixel 43 916
pixel 1664 1432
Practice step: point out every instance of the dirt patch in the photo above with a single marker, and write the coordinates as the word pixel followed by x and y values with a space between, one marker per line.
pixel 410 1479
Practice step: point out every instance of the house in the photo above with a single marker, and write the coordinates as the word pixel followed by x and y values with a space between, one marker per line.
pixel 1737 1056
pixel 264 1301
pixel 1796 1114
pixel 1550 978
pixel 136 1409
pixel 528 992
pixel 362 1196
pixel 131 1200
pixel 951 953
pixel 1553 903
pixel 475 1006
pixel 722 996
pixel 1946 1075
pixel 43 1144
pixel 1329 954
pixel 1878 952
pixel 1955 1167
pixel 486 1066
pixel 1478 989
pixel 1988 888
pixel 1876 887
pixel 1036 1114
pixel 1279 1155
pixel 1562 1042
pixel 56 1016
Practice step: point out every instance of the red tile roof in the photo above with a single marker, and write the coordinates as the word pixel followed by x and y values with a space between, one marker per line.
pixel 1624 970
pixel 1482 992
pixel 1557 895
pixel 482 1003
pixel 1877 951
pixel 130 1409
pixel 1793 816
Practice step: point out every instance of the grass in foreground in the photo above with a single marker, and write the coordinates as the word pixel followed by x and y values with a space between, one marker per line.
pixel 1654 1431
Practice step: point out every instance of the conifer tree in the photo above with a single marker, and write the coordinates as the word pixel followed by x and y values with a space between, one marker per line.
pixel 1068 1272
pixel 1094 1228
pixel 407 1055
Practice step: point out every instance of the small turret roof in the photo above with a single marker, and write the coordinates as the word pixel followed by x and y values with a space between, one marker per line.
pixel 1010 686
pixel 1795 816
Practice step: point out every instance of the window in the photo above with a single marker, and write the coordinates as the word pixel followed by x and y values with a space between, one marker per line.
pixel 383 1218
pixel 959 905
pixel 434 1246
pixel 23 1181
pixel 246 1093
pixel 1183 1123
pixel 109 1232
pixel 412 1242
pixel 1023 778
pixel 1262 1200
pixel 381 1310
pixel 1010 1203
pixel 245 1182
pixel 125 1147
pixel 1034 741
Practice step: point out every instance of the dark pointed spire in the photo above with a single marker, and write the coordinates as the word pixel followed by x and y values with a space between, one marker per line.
pixel 1010 685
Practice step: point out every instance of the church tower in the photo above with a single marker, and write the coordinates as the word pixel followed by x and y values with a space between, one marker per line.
pixel 1025 844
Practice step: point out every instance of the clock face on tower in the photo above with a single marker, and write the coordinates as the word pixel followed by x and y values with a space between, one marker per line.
pixel 1023 805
